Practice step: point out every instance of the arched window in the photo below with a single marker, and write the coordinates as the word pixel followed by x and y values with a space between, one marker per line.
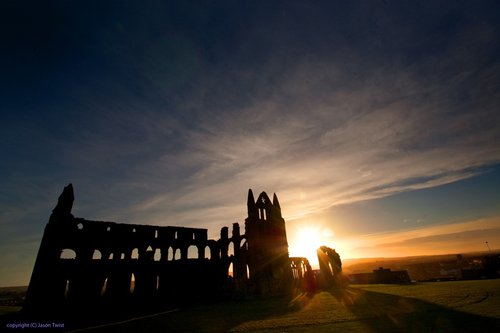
pixel 157 255
pixel 331 269
pixel 177 254
pixel 149 254
pixel 192 252
pixel 208 254
pixel 68 254
pixel 230 270
pixel 104 287
pixel 230 250
pixel 97 255
pixel 66 289
pixel 170 254
pixel 295 271
pixel 304 269
pixel 132 283
pixel 135 254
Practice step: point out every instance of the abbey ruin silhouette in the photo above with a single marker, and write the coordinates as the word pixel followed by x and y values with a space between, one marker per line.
pixel 83 263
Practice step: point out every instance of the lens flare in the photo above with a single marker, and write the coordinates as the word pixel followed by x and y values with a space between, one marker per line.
pixel 306 240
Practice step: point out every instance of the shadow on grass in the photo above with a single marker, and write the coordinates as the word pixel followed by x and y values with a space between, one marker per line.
pixel 203 318
pixel 210 317
pixel 381 312
pixel 346 309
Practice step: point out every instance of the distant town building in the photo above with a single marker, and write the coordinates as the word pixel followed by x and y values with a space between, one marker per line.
pixel 380 275
pixel 489 269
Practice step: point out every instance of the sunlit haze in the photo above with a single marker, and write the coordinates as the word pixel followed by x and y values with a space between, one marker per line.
pixel 305 240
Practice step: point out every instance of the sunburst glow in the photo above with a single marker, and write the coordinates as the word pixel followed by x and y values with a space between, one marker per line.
pixel 306 240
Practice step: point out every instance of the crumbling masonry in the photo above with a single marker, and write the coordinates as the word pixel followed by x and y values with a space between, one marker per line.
pixel 84 263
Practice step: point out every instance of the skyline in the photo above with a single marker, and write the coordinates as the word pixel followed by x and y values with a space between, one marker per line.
pixel 373 122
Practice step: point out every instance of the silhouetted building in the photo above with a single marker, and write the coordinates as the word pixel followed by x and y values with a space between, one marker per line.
pixel 361 278
pixel 380 275
pixel 330 267
pixel 87 264
pixel 304 278
pixel 489 268
pixel 268 259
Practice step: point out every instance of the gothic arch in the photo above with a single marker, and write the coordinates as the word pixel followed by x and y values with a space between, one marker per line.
pixel 177 254
pixel 192 252
pixel 208 253
pixel 67 254
pixel 170 254
pixel 135 254
pixel 132 283
pixel 230 249
pixel 157 255
pixel 97 255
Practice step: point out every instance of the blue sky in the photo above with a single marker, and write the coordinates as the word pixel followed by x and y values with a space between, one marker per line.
pixel 375 122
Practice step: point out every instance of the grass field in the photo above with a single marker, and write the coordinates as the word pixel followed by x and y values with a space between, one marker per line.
pixel 461 306
pixel 475 297
pixel 11 299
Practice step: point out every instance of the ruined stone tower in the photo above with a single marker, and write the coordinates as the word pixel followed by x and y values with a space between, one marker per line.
pixel 268 260
pixel 45 289
pixel 105 266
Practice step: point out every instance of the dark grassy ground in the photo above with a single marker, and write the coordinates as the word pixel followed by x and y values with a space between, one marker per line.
pixel 464 306
pixel 475 297
pixel 11 299
pixel 469 306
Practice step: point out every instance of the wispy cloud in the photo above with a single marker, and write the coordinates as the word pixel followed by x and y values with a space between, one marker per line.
pixel 334 146
pixel 173 127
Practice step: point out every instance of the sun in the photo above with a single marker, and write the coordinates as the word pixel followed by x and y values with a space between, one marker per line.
pixel 306 240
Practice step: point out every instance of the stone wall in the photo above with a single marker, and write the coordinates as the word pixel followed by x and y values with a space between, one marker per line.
pixel 83 263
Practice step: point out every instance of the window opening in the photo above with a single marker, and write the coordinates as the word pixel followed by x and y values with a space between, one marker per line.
pixel 68 254
pixel 157 255
pixel 177 254
pixel 66 290
pixel 97 255
pixel 104 287
pixel 132 283
pixel 192 252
